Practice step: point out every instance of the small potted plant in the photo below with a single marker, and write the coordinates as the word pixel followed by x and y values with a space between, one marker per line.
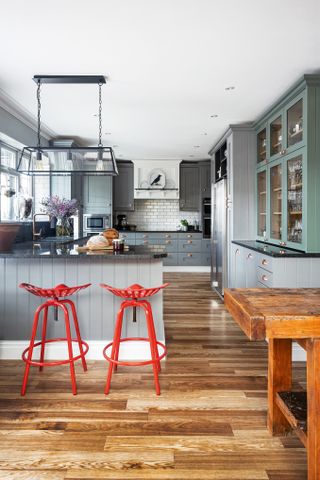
pixel 184 225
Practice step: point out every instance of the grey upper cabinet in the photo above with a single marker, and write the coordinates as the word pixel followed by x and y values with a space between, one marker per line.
pixel 189 186
pixel 205 180
pixel 97 194
pixel 123 189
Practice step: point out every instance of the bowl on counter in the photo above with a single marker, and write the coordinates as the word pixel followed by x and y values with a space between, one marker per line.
pixel 8 233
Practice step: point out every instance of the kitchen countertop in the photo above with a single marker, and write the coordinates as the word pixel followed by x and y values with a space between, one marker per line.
pixel 65 247
pixel 273 250
pixel 160 231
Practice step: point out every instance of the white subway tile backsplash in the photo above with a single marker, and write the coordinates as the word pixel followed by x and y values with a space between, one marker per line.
pixel 159 215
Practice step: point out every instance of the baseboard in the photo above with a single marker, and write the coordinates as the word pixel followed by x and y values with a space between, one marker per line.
pixel 12 350
pixel 198 269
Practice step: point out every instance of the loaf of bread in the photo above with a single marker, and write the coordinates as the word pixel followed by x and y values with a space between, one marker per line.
pixel 97 241
pixel 110 234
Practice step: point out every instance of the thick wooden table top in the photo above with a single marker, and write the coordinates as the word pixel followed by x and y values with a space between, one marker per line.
pixel 275 312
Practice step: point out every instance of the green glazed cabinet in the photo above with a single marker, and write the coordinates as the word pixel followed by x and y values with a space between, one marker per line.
pixel 288 169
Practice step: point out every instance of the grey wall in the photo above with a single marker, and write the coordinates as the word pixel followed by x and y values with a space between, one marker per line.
pixel 16 129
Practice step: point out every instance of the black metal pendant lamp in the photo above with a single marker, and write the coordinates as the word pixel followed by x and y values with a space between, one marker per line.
pixel 67 160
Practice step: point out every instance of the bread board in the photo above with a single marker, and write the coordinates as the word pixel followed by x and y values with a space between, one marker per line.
pixel 90 248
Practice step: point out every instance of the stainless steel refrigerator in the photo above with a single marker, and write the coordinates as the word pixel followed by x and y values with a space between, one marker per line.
pixel 219 245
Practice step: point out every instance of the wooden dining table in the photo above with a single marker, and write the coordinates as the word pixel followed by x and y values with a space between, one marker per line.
pixel 282 316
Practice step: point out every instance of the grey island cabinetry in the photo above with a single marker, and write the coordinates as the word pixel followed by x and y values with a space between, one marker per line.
pixel 47 264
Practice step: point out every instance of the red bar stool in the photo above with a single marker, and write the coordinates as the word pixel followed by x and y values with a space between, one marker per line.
pixel 135 297
pixel 54 295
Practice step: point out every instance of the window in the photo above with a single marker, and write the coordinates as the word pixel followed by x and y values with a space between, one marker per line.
pixel 8 157
pixel 15 188
pixel 9 186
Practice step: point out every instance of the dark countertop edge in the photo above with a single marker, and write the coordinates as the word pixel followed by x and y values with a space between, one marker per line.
pixel 160 231
pixel 108 256
pixel 287 252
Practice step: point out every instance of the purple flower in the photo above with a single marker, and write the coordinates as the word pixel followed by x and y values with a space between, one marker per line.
pixel 59 207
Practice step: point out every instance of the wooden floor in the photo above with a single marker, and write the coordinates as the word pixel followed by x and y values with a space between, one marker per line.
pixel 209 422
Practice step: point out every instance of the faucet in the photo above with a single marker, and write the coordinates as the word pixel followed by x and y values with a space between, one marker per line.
pixel 36 235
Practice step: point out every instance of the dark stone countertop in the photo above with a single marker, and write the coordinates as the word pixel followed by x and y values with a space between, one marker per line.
pixel 66 247
pixel 160 231
pixel 274 250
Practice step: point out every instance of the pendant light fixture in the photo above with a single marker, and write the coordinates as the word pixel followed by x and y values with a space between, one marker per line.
pixel 66 159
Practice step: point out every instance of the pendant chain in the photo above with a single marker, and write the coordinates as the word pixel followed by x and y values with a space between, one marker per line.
pixel 39 111
pixel 100 116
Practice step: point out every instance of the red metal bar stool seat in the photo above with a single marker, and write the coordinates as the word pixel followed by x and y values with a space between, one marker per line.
pixel 135 297
pixel 54 296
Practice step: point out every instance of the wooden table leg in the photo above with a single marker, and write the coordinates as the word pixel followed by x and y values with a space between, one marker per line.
pixel 313 393
pixel 279 379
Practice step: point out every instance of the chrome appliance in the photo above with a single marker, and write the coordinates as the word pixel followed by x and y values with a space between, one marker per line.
pixel 95 223
pixel 219 240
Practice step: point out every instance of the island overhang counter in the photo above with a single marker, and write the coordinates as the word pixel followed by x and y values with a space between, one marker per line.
pixel 49 263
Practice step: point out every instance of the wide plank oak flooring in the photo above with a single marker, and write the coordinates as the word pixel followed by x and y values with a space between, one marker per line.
pixel 208 423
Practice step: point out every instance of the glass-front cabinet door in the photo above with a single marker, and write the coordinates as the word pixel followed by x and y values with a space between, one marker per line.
pixel 276 139
pixel 294 200
pixel 262 203
pixel 262 146
pixel 295 134
pixel 275 173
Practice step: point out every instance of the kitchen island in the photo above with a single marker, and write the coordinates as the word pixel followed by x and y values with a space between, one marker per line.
pixel 47 263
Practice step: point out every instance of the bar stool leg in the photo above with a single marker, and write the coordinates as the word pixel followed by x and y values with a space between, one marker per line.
pixel 115 348
pixel 152 349
pixel 77 329
pixel 43 337
pixel 154 334
pixel 31 345
pixel 70 350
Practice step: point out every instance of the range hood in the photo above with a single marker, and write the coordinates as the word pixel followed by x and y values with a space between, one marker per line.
pixel 156 179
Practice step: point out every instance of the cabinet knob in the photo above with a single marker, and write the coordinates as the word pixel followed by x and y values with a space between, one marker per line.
pixel 189 255
pixel 249 255
pixel 264 278
pixel 168 242
pixel 189 236
pixel 264 261
pixel 237 251
pixel 282 244
pixel 189 241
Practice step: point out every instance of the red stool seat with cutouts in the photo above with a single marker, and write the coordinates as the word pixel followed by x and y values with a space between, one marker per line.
pixel 135 297
pixel 54 296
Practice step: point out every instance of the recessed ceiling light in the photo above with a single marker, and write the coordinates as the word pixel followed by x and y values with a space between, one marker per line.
pixel 196 146
pixel 230 88
pixel 214 115
pixel 94 114
pixel 191 155
pixel 115 146
pixel 204 133
pixel 107 133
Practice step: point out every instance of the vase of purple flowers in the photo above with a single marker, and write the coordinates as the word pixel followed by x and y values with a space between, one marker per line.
pixel 61 209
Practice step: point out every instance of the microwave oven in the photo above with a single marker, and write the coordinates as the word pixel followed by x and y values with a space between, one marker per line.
pixel 94 222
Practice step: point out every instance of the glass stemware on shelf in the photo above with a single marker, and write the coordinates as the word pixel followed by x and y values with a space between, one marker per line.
pixel 276 136
pixel 262 203
pixel 294 199
pixel 276 201
pixel 295 123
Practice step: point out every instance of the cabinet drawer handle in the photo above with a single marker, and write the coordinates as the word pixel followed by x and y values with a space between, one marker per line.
pixel 167 236
pixel 168 242
pixel 282 244
pixel 264 261
pixel 264 278
pixel 189 241
pixel 189 255
pixel 237 251
pixel 189 236
pixel 249 255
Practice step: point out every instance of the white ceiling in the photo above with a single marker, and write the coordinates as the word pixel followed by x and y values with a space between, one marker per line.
pixel 167 61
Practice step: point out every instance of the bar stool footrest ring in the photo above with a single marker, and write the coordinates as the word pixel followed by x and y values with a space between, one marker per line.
pixel 57 362
pixel 132 363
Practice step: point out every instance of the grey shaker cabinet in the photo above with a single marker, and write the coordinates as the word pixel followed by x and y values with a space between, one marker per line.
pixel 123 189
pixel 97 194
pixel 189 186
pixel 205 180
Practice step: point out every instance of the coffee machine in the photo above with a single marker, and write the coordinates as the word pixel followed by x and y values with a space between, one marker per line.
pixel 122 222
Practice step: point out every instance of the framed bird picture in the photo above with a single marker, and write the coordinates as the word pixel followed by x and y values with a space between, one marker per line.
pixel 157 179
